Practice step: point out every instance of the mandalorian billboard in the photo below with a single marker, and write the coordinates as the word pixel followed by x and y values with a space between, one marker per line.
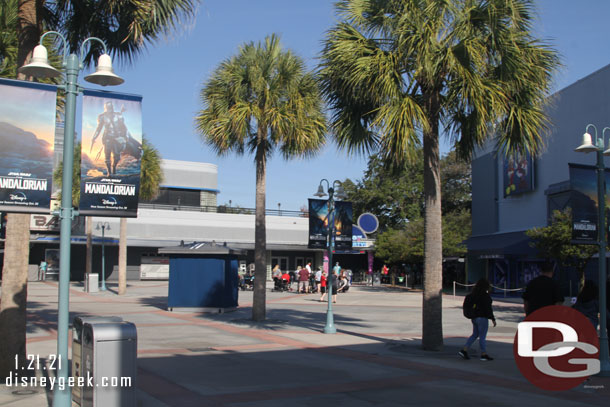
pixel 27 137
pixel 111 154
pixel 318 224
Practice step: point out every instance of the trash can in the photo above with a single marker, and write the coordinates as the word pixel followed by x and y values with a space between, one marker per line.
pixel 92 282
pixel 77 359
pixel 109 353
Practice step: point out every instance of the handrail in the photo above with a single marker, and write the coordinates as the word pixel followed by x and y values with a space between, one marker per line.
pixel 222 209
pixel 493 286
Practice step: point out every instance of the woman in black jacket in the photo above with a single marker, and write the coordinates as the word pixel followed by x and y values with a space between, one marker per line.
pixel 480 323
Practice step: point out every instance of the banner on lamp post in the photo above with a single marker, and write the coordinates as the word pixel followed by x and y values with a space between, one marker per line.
pixel 111 154
pixel 27 137
pixel 584 202
pixel 318 224
pixel 343 225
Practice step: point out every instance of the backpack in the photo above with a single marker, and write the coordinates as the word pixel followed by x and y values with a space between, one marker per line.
pixel 469 307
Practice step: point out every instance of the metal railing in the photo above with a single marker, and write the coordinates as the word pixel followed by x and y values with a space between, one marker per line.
pixel 506 290
pixel 222 209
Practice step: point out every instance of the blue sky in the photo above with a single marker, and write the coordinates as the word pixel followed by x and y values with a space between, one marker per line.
pixel 170 75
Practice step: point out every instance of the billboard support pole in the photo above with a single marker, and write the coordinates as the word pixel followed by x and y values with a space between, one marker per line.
pixel 588 147
pixel 39 67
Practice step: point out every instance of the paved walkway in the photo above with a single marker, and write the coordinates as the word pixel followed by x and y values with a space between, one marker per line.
pixel 374 359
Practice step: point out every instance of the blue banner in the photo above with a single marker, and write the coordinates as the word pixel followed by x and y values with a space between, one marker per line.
pixel 111 154
pixel 27 137
pixel 584 202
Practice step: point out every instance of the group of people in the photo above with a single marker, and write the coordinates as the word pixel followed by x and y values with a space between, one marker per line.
pixel 540 292
pixel 313 282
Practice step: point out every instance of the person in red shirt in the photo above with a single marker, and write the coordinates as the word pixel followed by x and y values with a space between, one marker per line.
pixel 323 285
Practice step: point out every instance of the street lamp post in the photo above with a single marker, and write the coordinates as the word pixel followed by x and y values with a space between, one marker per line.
pixel 104 75
pixel 103 226
pixel 334 190
pixel 587 147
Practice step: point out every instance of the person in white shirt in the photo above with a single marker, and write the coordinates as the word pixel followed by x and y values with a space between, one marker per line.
pixel 318 278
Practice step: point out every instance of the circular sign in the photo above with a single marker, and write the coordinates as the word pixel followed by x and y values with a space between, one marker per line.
pixel 556 348
pixel 368 222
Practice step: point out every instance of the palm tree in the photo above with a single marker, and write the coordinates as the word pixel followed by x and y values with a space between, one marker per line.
pixel 127 27
pixel 8 38
pixel 395 71
pixel 260 100
pixel 151 176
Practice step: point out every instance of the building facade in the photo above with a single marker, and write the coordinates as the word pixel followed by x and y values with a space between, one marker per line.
pixel 185 211
pixel 498 248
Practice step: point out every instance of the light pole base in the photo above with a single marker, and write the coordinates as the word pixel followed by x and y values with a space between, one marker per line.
pixel 330 324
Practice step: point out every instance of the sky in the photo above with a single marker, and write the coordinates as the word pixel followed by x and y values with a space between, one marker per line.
pixel 170 75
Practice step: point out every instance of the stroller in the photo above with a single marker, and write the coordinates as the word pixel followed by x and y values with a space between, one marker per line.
pixel 247 282
pixel 280 284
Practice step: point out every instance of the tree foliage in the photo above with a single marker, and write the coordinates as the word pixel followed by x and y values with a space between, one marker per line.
pixel 260 101
pixel 555 242
pixel 399 72
pixel 395 193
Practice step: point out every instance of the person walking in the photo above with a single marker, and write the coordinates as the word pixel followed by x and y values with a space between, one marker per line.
pixel 481 302
pixel 303 281
pixel 318 278
pixel 542 290
pixel 323 286
pixel 42 270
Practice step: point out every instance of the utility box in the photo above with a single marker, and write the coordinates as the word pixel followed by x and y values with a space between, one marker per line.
pixel 109 354
pixel 77 341
pixel 92 282
pixel 203 277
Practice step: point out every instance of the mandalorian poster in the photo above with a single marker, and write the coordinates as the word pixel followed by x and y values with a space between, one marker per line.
pixel 111 154
pixel 27 136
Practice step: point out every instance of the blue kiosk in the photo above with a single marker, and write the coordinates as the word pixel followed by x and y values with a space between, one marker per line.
pixel 202 277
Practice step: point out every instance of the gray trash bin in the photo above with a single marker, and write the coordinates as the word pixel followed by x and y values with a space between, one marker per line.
pixel 77 359
pixel 109 352
pixel 92 283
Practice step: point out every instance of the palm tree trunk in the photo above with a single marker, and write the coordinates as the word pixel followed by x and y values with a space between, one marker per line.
pixel 260 240
pixel 14 292
pixel 432 324
pixel 123 257
pixel 89 252
pixel 29 30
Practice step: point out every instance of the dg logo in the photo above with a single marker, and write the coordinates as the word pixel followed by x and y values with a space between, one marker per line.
pixel 556 348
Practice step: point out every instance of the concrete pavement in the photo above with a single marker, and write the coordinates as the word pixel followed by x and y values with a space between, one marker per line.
pixel 374 359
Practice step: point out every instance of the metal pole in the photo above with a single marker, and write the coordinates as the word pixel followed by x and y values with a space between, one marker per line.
pixel 454 288
pixel 61 396
pixel 330 323
pixel 103 287
pixel 504 288
pixel 601 218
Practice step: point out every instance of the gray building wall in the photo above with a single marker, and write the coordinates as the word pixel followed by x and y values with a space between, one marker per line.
pixel 586 101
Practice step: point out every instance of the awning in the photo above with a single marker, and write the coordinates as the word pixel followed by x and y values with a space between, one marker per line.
pixel 500 244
